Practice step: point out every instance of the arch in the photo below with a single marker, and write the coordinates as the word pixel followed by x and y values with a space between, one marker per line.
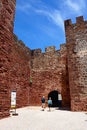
pixel 55 98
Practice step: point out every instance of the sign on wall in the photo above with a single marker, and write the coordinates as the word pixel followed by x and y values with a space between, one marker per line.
pixel 59 96
pixel 13 99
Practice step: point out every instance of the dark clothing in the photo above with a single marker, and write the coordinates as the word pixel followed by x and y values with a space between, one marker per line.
pixel 49 105
pixel 43 100
pixel 60 103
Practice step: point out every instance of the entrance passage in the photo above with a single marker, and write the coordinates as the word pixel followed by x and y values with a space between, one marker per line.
pixel 54 97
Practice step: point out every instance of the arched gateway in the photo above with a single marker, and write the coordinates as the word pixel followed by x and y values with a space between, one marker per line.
pixel 56 98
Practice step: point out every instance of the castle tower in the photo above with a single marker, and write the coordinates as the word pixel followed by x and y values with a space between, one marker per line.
pixel 7 11
pixel 76 42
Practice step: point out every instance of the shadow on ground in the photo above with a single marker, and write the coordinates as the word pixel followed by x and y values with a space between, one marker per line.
pixel 62 109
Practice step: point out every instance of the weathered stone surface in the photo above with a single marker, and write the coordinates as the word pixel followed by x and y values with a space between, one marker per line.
pixel 49 73
pixel 7 9
pixel 76 38
pixel 20 72
pixel 33 74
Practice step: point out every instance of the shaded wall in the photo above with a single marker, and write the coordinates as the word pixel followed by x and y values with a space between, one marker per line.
pixel 7 8
pixel 14 61
pixel 76 42
pixel 20 72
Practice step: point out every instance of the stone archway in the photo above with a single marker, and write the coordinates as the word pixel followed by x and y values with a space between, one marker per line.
pixel 55 98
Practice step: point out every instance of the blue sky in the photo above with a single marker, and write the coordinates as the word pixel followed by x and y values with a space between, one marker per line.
pixel 40 23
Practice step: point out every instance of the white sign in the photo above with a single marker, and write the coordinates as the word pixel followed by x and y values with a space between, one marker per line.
pixel 59 97
pixel 13 99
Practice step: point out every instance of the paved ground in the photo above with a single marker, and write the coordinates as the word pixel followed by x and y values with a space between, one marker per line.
pixel 33 118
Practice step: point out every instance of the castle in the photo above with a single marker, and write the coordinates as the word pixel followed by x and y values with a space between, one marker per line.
pixel 33 74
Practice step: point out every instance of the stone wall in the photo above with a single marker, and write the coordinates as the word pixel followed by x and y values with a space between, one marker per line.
pixel 20 72
pixel 64 70
pixel 76 40
pixel 49 73
pixel 7 8
pixel 14 62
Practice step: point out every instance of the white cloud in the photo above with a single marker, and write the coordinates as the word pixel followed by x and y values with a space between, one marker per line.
pixel 57 18
pixel 76 6
pixel 24 7
pixel 67 8
pixel 54 15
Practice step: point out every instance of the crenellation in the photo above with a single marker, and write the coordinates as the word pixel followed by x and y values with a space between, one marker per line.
pixel 79 20
pixel 20 44
pixel 63 46
pixel 36 52
pixel 57 53
pixel 67 22
pixel 50 49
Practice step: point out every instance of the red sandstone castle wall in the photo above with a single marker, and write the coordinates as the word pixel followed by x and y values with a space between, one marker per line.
pixel 14 62
pixel 49 73
pixel 7 8
pixel 76 39
pixel 20 72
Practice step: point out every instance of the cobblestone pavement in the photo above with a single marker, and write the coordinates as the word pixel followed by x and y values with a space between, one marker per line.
pixel 33 118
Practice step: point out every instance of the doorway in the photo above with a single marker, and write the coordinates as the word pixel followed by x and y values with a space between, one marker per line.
pixel 54 97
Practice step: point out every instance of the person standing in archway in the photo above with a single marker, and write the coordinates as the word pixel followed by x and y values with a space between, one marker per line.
pixel 49 103
pixel 60 100
pixel 43 102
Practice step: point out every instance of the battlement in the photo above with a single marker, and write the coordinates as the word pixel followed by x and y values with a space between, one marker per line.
pixel 79 20
pixel 62 46
pixel 20 44
pixel 67 22
pixel 36 52
pixel 50 49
